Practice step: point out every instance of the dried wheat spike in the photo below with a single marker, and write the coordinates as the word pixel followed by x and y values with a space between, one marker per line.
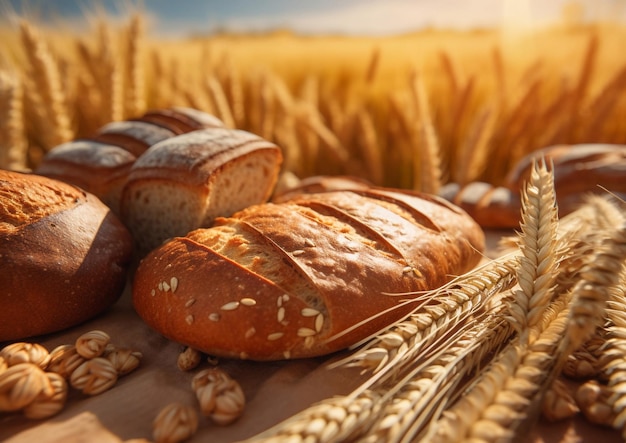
pixel 501 393
pixel 448 306
pixel 614 355
pixel 51 100
pixel 13 147
pixel 332 420
pixel 538 243
pixel 592 291
pixel 431 386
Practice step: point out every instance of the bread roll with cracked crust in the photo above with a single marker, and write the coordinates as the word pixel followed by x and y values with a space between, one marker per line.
pixel 309 276
pixel 64 255
pixel 185 182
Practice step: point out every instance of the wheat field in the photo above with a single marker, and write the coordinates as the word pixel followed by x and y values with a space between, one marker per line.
pixel 413 111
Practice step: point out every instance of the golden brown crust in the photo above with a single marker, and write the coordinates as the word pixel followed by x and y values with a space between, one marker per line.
pixel 353 249
pixel 60 268
pixel 21 204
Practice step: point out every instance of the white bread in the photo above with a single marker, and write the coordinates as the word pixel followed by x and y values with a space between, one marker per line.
pixel 64 255
pixel 305 277
pixel 185 182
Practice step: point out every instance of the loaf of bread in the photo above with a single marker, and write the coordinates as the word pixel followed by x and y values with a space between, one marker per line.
pixel 185 182
pixel 579 170
pixel 65 255
pixel 101 163
pixel 309 276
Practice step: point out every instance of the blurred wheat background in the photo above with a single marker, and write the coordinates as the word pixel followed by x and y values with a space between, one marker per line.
pixel 414 111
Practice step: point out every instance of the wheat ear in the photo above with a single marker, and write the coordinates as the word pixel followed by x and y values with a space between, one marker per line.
pixel 538 243
pixel 135 103
pixel 13 147
pixel 430 173
pixel 329 421
pixel 614 353
pixel 50 100
pixel 440 311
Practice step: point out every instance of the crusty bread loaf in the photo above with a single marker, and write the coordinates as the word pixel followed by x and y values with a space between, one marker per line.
pixel 100 169
pixel 100 164
pixel 185 182
pixel 579 170
pixel 305 277
pixel 64 255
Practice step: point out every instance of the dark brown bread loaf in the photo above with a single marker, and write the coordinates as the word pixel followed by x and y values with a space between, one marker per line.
pixel 64 255
pixel 305 277
pixel 579 170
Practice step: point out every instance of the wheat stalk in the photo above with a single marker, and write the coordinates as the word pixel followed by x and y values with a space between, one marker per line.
pixel 13 148
pixel 45 89
pixel 429 173
pixel 538 243
pixel 135 103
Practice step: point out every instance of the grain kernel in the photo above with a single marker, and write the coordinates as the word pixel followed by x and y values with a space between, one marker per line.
pixel 174 284
pixel 230 306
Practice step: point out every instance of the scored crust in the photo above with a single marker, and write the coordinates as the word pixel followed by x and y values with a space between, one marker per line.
pixel 304 277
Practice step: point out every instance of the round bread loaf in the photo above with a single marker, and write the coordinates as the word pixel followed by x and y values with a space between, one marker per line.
pixel 308 276
pixel 64 254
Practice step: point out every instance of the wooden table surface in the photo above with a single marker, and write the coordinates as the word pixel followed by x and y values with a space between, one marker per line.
pixel 274 391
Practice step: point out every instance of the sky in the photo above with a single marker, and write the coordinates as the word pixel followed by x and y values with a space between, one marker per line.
pixel 372 17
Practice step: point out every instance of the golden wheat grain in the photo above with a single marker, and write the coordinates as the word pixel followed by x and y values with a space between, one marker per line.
pixel 370 148
pixel 429 173
pixel 134 91
pixel 592 291
pixel 109 76
pixel 437 312
pixel 13 148
pixel 582 86
pixel 220 101
pixel 45 90
pixel 332 420
pixel 538 243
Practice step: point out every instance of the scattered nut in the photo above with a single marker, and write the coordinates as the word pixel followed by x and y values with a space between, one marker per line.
pixel 124 360
pixel 558 403
pixel 64 360
pixel 50 400
pixel 94 376
pixel 92 344
pixel 189 359
pixel 175 423
pixel 221 398
pixel 19 352
pixel 593 401
pixel 20 385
